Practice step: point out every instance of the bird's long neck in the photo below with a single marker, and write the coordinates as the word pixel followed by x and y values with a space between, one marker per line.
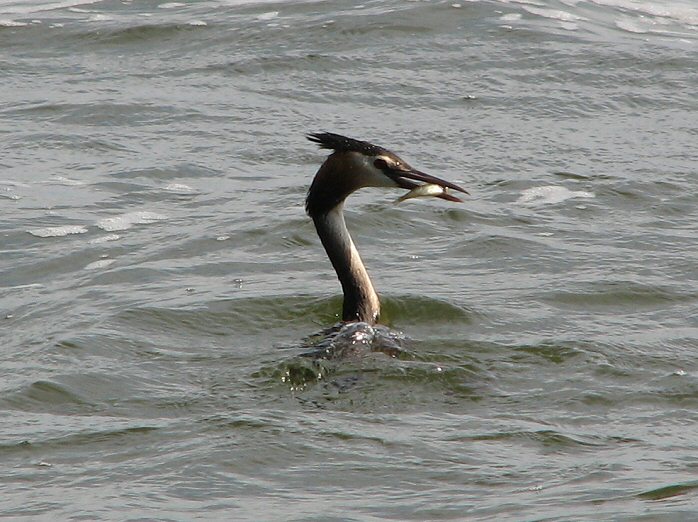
pixel 360 299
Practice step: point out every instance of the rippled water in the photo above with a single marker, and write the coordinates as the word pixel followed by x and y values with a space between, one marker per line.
pixel 161 282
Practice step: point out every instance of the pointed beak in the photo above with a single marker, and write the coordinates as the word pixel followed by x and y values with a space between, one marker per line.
pixel 404 179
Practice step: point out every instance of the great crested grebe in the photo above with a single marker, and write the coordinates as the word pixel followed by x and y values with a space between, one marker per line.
pixel 352 165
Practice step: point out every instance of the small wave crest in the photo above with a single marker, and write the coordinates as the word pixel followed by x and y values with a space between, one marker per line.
pixel 126 221
pixel 101 263
pixel 550 195
pixel 61 231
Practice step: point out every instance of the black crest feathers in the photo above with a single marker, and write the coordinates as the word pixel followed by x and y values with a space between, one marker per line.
pixel 338 143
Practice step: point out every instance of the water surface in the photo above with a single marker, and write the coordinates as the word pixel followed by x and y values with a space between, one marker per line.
pixel 160 280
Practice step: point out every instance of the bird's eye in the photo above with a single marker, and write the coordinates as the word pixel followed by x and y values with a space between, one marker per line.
pixel 380 164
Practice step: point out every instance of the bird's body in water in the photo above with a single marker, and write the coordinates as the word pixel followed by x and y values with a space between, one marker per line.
pixel 352 165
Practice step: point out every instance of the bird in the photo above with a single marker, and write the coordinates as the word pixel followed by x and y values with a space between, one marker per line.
pixel 352 165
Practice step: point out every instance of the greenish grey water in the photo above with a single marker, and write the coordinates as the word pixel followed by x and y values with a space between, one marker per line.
pixel 160 281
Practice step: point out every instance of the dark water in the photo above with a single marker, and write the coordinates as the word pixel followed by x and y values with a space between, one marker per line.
pixel 159 279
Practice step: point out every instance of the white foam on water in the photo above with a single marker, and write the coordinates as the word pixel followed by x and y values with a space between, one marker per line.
pixel 180 188
pixel 7 193
pixel 102 263
pixel 171 5
pixel 634 16
pixel 58 231
pixel 100 18
pixel 28 285
pixel 104 239
pixel 639 26
pixel 126 221
pixel 524 2
pixel 549 195
pixel 268 16
pixel 685 12
pixel 25 8
pixel 11 23
pixel 12 183
pixel 554 14
pixel 61 180
pixel 570 26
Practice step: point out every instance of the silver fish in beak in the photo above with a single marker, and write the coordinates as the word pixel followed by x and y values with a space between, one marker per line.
pixel 424 191
pixel 405 177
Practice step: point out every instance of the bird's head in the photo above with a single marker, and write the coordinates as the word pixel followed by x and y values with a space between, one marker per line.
pixel 355 164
